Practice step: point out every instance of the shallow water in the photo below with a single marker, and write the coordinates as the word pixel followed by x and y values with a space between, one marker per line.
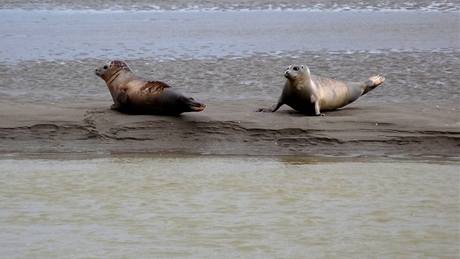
pixel 73 34
pixel 50 55
pixel 208 207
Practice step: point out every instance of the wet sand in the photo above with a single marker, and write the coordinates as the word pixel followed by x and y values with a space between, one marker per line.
pixel 412 76
pixel 233 128
pixel 413 115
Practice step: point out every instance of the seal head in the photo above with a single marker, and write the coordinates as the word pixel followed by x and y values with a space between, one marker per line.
pixel 294 71
pixel 109 71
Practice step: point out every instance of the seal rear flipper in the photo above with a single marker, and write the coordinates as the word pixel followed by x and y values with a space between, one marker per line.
pixel 195 106
pixel 372 83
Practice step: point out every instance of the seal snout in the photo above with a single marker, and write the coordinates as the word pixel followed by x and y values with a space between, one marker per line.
pixel 100 71
pixel 288 75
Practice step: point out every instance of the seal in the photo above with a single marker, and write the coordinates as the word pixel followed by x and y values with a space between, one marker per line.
pixel 133 94
pixel 310 94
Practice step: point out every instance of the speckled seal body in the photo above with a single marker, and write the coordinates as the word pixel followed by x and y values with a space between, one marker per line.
pixel 133 94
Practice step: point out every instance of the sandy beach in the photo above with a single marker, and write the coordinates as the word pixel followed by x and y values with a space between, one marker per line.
pixel 234 128
pixel 53 103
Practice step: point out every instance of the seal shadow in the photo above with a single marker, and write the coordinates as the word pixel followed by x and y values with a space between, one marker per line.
pixel 345 111
pixel 137 113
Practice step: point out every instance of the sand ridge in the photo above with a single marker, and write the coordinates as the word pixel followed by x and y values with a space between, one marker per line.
pixel 233 128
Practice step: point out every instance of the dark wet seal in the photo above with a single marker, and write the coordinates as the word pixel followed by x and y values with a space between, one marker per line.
pixel 133 94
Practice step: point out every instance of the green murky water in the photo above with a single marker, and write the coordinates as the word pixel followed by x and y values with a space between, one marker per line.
pixel 227 207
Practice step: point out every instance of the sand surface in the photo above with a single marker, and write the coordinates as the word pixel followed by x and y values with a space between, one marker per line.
pixel 233 128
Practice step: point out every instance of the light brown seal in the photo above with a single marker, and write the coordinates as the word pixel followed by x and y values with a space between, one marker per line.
pixel 133 94
pixel 312 95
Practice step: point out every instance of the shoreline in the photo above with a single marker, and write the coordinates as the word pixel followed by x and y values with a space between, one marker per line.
pixel 362 130
pixel 288 159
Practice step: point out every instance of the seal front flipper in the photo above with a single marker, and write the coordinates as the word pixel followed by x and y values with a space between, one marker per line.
pixel 317 109
pixel 274 107
pixel 121 100
pixel 264 110
pixel 315 100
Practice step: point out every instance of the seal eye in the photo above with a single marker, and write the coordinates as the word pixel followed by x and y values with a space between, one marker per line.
pixel 295 68
pixel 105 67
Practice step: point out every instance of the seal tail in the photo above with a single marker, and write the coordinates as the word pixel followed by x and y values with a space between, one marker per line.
pixel 372 83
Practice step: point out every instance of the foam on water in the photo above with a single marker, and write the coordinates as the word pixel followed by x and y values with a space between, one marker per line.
pixel 321 5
